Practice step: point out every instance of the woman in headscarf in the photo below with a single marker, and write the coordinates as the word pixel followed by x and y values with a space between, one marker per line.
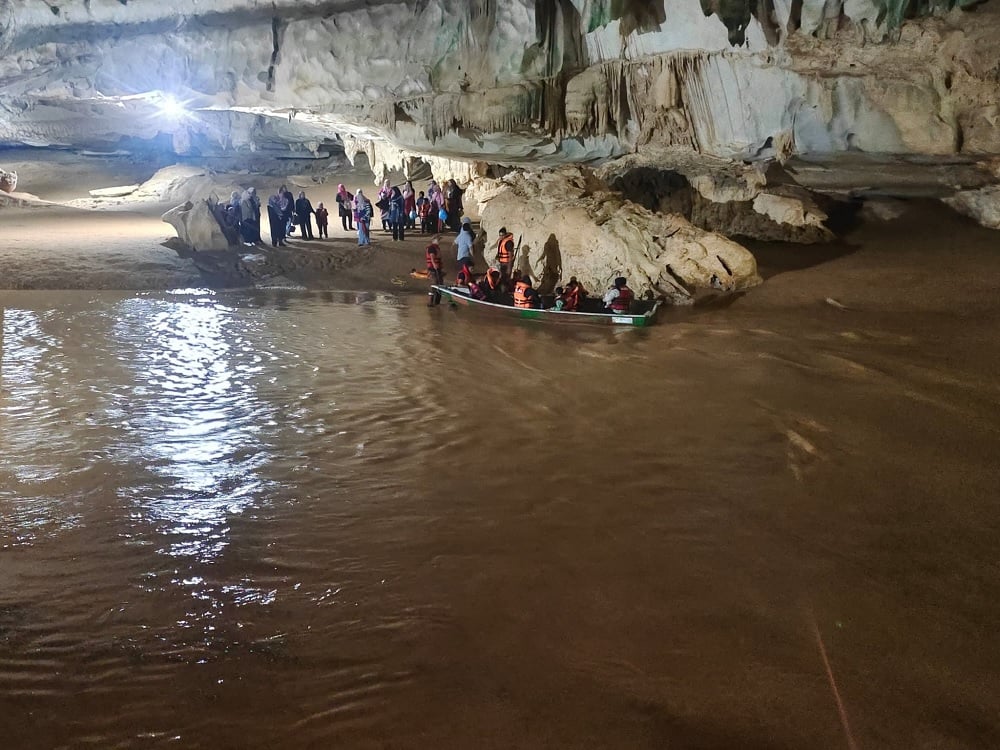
pixel 397 216
pixel 275 221
pixel 345 203
pixel 362 217
pixel 304 211
pixel 250 216
pixel 453 199
pixel 384 193
pixel 409 205
pixel 287 208
pixel 436 197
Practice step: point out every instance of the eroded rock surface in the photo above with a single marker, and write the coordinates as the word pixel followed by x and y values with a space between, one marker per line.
pixel 196 226
pixel 570 223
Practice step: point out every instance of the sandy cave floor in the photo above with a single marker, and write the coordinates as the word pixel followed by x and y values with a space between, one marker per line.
pixel 122 245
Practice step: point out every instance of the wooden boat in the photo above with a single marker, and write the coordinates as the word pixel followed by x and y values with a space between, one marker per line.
pixel 459 295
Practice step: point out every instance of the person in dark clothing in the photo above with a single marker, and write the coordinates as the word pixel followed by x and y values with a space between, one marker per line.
pixel 435 271
pixel 453 204
pixel 304 211
pixel 397 214
pixel 287 208
pixel 322 220
pixel 275 221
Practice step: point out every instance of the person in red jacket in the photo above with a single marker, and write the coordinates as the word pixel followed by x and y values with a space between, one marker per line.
pixel 619 298
pixel 435 271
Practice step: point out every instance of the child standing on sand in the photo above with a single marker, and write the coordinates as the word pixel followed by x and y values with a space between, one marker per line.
pixel 322 218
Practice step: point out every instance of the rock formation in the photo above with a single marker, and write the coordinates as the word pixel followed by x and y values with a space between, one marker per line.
pixel 197 226
pixel 8 181
pixel 570 223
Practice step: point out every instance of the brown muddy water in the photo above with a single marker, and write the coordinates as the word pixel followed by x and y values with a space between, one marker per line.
pixel 275 520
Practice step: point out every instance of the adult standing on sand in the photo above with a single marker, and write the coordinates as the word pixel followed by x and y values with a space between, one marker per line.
pixel 287 208
pixel 345 207
pixel 250 216
pixel 304 212
pixel 397 215
pixel 275 221
pixel 409 205
pixel 362 217
pixel 453 204
pixel 322 219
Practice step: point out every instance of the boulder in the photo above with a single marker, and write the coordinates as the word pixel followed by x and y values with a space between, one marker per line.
pixel 196 226
pixel 570 223
pixel 8 181
pixel 983 205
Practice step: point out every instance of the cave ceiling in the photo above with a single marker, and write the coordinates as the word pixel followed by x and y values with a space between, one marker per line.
pixel 511 82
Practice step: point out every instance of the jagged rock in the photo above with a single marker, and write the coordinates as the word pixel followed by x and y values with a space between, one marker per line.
pixel 571 224
pixel 784 214
pixel 8 181
pixel 982 205
pixel 196 226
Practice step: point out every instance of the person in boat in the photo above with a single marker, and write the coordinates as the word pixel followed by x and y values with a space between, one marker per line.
pixel 619 298
pixel 491 285
pixel 435 270
pixel 559 303
pixel 525 295
pixel 573 295
pixel 505 252
pixel 475 288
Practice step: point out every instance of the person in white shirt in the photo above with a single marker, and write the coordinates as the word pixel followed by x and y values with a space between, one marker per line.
pixel 464 241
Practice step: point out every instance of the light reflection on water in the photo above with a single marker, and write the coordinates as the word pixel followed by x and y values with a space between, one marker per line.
pixel 194 420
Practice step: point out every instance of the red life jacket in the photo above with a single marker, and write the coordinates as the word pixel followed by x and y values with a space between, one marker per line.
pixel 505 248
pixel 623 302
pixel 521 298
pixel 572 296
pixel 431 252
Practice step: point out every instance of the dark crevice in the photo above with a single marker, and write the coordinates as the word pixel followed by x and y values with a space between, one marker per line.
pixel 724 265
pixel 275 51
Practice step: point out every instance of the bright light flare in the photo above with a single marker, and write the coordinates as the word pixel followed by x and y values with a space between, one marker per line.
pixel 172 108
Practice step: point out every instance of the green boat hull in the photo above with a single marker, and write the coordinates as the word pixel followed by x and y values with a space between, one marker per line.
pixel 460 296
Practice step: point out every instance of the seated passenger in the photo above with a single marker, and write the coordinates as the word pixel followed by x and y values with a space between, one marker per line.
pixel 475 288
pixel 559 303
pixel 491 285
pixel 573 296
pixel 525 295
pixel 619 297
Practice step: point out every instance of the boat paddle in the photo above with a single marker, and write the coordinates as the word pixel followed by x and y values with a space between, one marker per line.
pixel 513 258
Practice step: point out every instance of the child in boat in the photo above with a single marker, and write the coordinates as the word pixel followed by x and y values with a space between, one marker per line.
pixel 559 303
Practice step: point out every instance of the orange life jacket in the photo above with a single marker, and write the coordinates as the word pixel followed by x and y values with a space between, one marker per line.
pixel 521 298
pixel 432 254
pixel 623 302
pixel 505 248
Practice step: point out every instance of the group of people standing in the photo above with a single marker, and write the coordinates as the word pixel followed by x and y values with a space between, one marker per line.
pixel 400 208
pixel 284 213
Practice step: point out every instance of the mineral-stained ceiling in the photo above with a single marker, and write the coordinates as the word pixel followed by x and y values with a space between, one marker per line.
pixel 536 82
